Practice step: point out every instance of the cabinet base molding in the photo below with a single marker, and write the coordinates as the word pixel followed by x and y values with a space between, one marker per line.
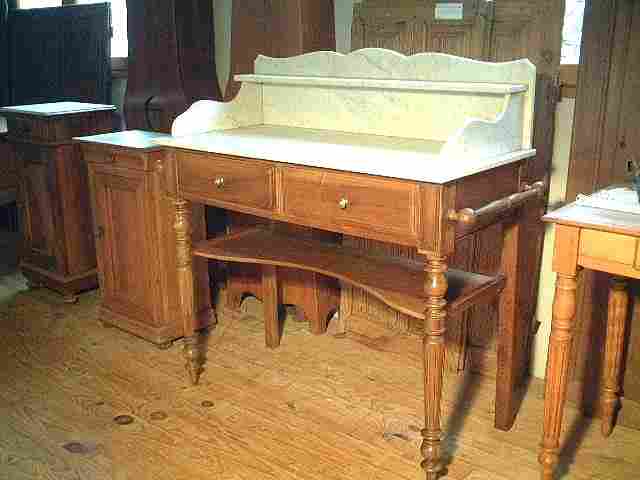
pixel 161 335
pixel 68 286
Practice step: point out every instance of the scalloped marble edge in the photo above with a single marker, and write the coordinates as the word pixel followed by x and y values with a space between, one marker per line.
pixel 486 138
pixel 208 115
pixel 388 64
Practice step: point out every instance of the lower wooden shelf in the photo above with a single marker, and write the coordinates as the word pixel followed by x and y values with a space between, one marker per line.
pixel 398 282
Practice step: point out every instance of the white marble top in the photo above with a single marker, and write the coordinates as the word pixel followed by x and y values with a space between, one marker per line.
pixel 396 157
pixel 57 108
pixel 386 84
pixel 138 139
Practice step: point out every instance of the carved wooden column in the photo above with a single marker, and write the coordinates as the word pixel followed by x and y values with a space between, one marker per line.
pixel 184 264
pixel 562 332
pixel 616 318
pixel 433 346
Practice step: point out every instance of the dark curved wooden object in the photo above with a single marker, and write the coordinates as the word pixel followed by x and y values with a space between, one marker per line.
pixel 398 282
pixel 171 60
pixel 277 28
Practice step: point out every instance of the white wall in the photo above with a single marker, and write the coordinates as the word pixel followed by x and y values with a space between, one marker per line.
pixel 222 31
pixel 557 192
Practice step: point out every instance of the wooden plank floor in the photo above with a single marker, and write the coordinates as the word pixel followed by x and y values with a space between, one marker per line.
pixel 319 407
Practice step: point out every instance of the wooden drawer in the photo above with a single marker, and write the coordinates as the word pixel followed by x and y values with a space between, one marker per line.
pixel 606 247
pixel 118 157
pixel 352 204
pixel 227 182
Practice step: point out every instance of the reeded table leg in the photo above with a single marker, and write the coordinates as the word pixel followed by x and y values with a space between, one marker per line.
pixel 562 330
pixel 184 263
pixel 616 318
pixel 433 354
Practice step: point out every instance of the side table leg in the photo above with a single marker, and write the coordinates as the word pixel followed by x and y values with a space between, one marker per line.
pixel 433 347
pixel 616 318
pixel 184 263
pixel 557 376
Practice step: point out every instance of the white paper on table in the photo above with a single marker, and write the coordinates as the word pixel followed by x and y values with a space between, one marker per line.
pixel 621 199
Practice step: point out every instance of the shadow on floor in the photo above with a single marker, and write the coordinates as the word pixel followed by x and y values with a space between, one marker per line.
pixel 11 280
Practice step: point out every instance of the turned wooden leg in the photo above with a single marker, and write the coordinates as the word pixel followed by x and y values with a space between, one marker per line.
pixel 271 306
pixel 184 263
pixel 557 376
pixel 435 288
pixel 616 318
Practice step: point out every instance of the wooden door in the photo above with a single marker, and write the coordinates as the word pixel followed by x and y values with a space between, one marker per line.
pixel 411 26
pixel 41 210
pixel 497 31
pixel 124 214
pixel 606 135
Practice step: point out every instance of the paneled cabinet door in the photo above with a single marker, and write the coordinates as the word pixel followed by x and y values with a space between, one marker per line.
pixel 38 189
pixel 124 214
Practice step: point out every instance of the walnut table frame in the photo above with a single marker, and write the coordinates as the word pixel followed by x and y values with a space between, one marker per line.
pixel 418 151
pixel 602 240
pixel 355 202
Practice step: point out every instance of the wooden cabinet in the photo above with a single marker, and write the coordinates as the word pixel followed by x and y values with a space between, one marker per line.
pixel 135 244
pixel 58 243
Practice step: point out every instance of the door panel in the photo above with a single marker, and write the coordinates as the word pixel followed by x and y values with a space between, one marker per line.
pixel 38 193
pixel 124 217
